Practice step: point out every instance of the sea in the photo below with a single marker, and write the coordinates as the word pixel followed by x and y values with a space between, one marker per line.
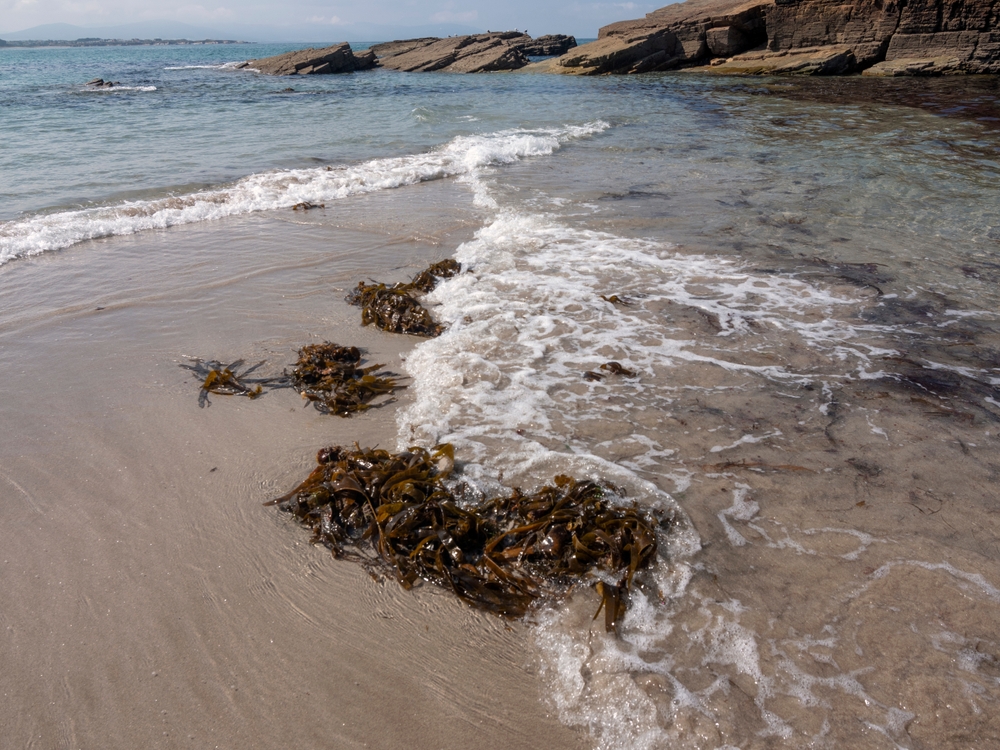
pixel 800 279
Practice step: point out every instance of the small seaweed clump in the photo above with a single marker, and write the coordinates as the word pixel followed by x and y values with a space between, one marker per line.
pixel 501 554
pixel 426 280
pixel 394 308
pixel 328 375
pixel 225 380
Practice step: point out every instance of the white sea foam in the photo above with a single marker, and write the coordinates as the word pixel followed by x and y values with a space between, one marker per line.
pixel 273 190
pixel 504 384
pixel 504 381
pixel 119 88
pixel 217 66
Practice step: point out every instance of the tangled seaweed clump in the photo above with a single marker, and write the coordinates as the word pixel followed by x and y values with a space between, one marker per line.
pixel 502 554
pixel 394 308
pixel 328 375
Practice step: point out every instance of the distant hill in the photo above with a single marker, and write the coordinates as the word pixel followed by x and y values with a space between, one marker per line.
pixel 144 30
pixel 314 33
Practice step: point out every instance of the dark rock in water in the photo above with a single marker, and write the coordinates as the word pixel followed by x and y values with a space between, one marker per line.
pixel 548 45
pixel 805 37
pixel 95 82
pixel 336 59
pixel 477 53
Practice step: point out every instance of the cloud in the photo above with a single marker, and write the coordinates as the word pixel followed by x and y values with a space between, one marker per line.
pixel 332 20
pixel 448 16
pixel 200 12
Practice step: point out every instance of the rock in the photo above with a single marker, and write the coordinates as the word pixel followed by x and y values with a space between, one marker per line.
pixel 336 59
pixel 820 61
pixel 95 82
pixel 809 37
pixel 725 41
pixel 549 45
pixel 623 54
pixel 477 53
pixel 933 66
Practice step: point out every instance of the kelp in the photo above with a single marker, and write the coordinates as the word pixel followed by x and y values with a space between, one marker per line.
pixel 307 206
pixel 614 299
pixel 395 309
pixel 615 368
pixel 396 512
pixel 225 380
pixel 426 280
pixel 329 375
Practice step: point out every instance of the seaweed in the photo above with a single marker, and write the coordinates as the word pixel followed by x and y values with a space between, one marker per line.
pixel 616 368
pixel 328 375
pixel 396 512
pixel 225 380
pixel 614 299
pixel 394 308
pixel 427 279
pixel 306 205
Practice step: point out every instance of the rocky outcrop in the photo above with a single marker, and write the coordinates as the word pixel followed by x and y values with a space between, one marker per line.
pixel 336 59
pixel 477 53
pixel 813 37
pixel 549 45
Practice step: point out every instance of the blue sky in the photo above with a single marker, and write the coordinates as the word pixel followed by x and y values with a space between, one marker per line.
pixel 577 17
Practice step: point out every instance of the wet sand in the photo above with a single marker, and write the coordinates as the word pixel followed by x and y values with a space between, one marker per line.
pixel 149 599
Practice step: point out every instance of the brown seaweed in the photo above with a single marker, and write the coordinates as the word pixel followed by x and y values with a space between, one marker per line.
pixel 395 309
pixel 426 280
pixel 616 368
pixel 329 375
pixel 306 206
pixel 396 512
pixel 614 299
pixel 225 380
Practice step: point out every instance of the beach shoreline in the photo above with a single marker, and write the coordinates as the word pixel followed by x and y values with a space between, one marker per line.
pixel 150 599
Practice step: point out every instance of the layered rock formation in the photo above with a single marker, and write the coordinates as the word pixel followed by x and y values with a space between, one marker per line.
pixel 819 37
pixel 546 46
pixel 336 59
pixel 478 53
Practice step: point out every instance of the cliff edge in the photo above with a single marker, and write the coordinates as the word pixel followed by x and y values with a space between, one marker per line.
pixel 811 37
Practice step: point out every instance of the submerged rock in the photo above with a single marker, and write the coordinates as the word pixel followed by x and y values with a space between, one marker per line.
pixel 805 37
pixel 338 58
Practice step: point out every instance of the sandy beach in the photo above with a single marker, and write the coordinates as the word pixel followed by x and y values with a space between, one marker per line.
pixel 149 599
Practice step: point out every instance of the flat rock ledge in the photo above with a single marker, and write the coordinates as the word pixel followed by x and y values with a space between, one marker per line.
pixel 798 37
pixel 338 58
pixel 475 53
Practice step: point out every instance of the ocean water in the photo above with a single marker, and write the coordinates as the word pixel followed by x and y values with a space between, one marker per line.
pixel 808 281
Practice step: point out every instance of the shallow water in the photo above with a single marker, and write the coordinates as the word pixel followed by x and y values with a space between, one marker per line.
pixel 809 276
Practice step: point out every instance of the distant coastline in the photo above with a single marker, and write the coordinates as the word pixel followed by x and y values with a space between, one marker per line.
pixel 95 42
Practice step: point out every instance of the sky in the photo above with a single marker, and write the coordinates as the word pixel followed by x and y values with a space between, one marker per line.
pixel 577 17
